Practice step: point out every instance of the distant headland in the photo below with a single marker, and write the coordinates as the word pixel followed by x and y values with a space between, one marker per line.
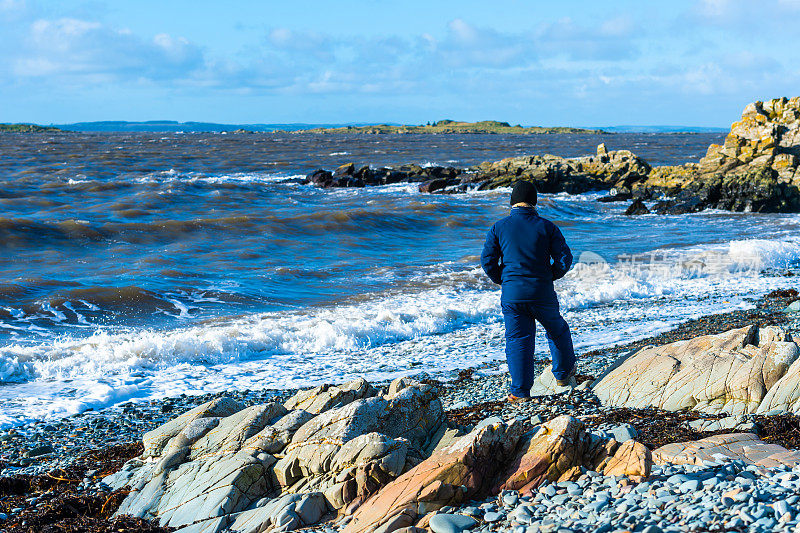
pixel 26 128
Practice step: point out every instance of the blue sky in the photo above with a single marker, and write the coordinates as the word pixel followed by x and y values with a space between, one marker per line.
pixel 577 63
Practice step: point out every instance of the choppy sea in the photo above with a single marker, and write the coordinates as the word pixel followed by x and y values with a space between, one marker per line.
pixel 138 266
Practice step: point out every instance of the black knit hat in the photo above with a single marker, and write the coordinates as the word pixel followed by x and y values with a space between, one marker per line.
pixel 524 191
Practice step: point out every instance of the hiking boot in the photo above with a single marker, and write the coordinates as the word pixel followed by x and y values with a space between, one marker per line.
pixel 514 399
pixel 566 382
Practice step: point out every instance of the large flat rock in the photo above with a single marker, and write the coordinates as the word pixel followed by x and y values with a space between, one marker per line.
pixel 732 373
pixel 746 447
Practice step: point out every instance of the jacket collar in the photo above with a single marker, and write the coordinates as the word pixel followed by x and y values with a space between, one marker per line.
pixel 524 210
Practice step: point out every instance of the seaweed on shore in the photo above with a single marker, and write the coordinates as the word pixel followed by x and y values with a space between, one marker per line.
pixel 472 414
pixel 780 429
pixel 56 503
pixel 655 427
pixel 783 293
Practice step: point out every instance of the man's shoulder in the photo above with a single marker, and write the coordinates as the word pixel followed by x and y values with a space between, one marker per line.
pixel 502 221
pixel 546 221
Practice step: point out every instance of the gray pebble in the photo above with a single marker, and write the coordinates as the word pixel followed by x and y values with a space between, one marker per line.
pixel 451 523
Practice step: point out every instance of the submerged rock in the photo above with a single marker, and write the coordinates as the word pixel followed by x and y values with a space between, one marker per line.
pixel 432 179
pixel 637 208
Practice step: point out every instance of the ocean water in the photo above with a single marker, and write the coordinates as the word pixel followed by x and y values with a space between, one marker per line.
pixel 137 266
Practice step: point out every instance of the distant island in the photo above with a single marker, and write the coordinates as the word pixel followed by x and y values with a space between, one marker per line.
pixel 440 127
pixel 26 128
pixel 449 127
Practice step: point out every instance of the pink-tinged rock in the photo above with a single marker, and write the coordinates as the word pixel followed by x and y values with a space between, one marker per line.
pixel 464 470
pixel 632 459
pixel 555 452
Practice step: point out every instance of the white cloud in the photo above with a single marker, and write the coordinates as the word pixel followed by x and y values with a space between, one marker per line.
pixel 12 6
pixel 609 40
pixel 745 15
pixel 74 48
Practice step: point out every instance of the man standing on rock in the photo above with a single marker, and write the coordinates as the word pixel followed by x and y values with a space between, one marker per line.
pixel 517 255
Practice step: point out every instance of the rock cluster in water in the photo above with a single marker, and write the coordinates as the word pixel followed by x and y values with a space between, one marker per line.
pixel 386 460
pixel 755 170
pixel 618 169
pixel 431 178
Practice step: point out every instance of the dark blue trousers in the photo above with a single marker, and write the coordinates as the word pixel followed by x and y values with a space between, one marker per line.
pixel 520 320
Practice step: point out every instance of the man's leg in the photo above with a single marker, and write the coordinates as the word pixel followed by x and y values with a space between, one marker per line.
pixel 520 342
pixel 558 337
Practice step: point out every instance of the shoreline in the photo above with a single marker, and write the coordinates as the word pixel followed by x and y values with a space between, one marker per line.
pixel 84 448
pixel 482 386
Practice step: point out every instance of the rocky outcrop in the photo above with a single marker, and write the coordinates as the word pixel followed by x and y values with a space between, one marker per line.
pixel 192 425
pixel 380 461
pixel 493 457
pixel 741 371
pixel 350 452
pixel 326 397
pixel 459 472
pixel 383 461
pixel 756 169
pixel 619 170
pixel 497 457
pixel 278 467
pixel 555 452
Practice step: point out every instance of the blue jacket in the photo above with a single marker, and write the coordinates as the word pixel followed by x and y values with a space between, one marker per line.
pixel 517 255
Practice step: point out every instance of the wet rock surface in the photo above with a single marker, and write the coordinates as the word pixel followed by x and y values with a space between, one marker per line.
pixel 431 179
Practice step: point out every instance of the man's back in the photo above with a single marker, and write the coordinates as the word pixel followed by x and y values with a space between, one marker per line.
pixel 518 253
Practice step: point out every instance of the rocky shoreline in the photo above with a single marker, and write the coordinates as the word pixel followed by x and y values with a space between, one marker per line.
pixel 755 170
pixel 48 478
